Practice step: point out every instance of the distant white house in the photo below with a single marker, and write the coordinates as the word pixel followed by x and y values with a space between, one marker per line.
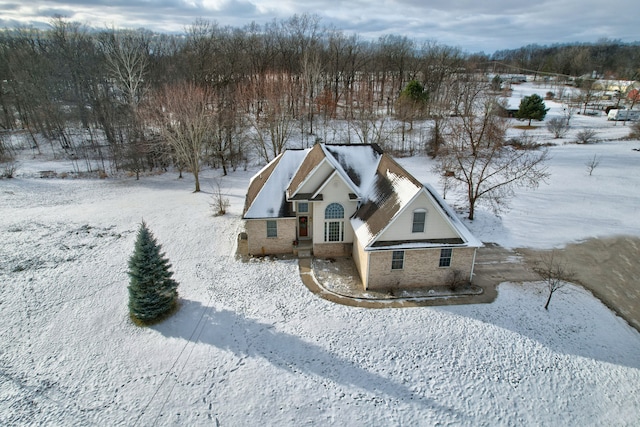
pixel 622 86
pixel 355 200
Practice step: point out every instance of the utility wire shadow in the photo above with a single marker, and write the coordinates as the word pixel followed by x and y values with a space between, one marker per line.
pixel 244 337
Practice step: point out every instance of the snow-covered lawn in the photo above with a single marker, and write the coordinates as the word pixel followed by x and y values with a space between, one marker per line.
pixel 571 206
pixel 251 345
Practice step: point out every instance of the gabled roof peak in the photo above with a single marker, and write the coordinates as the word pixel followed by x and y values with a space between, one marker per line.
pixel 356 163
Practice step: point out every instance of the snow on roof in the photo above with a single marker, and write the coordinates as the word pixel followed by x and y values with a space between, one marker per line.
pixel 270 184
pixel 312 160
pixel 404 188
pixel 392 189
pixel 383 185
pixel 511 103
pixel 355 163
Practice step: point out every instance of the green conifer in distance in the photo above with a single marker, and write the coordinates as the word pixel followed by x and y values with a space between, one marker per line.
pixel 415 92
pixel 152 291
pixel 532 108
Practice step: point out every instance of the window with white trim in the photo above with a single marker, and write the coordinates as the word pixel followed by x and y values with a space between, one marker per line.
pixel 419 219
pixel 397 260
pixel 445 257
pixel 333 223
pixel 303 207
pixel 272 228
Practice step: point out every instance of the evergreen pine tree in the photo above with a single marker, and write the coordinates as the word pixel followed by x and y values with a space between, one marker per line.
pixel 415 92
pixel 411 103
pixel 532 107
pixel 152 291
pixel 496 83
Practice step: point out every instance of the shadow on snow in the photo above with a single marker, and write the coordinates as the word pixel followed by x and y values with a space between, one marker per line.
pixel 244 337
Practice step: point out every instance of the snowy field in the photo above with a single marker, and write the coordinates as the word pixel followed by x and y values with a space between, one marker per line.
pixel 252 346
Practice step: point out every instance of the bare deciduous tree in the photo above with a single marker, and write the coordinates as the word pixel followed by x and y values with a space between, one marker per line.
pixel 184 115
pixel 7 159
pixel 569 109
pixel 369 126
pixel 587 93
pixel 273 120
pixel 127 58
pixel 558 127
pixel 634 132
pixel 228 136
pixel 553 272
pixel 370 129
pixel 220 203
pixel 592 163
pixel 586 136
pixel 477 159
pixel 455 279
pixel 311 73
pixel 199 51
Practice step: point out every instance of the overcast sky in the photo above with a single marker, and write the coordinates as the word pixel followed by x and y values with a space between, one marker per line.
pixel 472 25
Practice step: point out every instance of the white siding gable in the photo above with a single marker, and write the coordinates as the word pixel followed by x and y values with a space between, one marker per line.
pixel 436 227
pixel 316 178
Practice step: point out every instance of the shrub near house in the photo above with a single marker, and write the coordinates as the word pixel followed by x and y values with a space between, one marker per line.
pixel 355 200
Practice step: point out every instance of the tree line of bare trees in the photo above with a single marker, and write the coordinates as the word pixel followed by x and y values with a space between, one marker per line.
pixel 103 96
pixel 606 58
pixel 135 100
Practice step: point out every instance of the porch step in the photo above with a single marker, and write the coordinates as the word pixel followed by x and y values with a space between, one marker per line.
pixel 304 252
pixel 304 249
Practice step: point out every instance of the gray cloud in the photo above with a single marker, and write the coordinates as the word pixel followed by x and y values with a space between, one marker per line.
pixel 472 25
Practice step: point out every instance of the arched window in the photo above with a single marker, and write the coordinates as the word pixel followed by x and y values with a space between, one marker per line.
pixel 333 230
pixel 334 211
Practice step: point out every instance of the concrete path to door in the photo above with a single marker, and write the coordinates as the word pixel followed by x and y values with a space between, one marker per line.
pixel 494 265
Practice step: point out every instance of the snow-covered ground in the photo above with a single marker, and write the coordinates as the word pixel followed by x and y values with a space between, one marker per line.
pixel 251 345
pixel 570 206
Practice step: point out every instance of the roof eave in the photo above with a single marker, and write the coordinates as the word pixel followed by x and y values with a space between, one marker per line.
pixel 306 179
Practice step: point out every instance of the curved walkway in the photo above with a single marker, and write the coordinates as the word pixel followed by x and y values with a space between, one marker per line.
pixel 494 265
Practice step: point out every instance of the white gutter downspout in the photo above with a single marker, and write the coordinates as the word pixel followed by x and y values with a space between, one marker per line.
pixel 473 264
pixel 366 287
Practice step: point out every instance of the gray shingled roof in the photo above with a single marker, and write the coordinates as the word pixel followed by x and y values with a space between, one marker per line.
pixel 266 196
pixel 392 188
pixel 383 186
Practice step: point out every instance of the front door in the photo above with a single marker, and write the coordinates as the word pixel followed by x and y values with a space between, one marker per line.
pixel 303 226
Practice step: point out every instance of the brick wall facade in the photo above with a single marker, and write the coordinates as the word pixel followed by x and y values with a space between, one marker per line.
pixel 332 250
pixel 259 244
pixel 361 260
pixel 420 268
